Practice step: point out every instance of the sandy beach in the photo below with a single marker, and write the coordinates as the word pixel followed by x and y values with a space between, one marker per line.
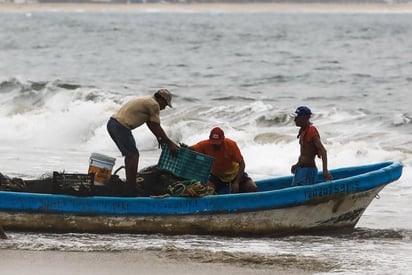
pixel 21 262
pixel 209 7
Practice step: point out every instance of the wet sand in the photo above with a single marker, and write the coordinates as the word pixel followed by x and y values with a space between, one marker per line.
pixel 209 7
pixel 22 262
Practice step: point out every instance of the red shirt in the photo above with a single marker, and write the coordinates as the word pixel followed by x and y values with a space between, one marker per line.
pixel 306 135
pixel 226 158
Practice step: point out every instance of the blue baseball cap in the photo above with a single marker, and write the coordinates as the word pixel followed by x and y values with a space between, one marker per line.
pixel 302 111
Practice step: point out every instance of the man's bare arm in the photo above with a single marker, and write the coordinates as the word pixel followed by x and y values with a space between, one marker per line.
pixel 160 134
pixel 323 153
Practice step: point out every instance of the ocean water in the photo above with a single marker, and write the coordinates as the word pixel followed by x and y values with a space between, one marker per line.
pixel 62 75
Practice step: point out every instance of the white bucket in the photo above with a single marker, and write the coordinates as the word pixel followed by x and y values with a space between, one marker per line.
pixel 101 166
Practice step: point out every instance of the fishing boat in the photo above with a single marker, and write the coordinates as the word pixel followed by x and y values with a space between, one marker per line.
pixel 276 208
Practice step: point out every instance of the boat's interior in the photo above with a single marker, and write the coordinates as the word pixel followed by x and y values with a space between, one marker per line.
pixel 152 182
pixel 337 174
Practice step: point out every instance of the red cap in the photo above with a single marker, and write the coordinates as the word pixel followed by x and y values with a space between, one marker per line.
pixel 217 136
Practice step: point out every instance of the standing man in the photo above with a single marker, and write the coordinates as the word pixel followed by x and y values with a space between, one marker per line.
pixel 305 169
pixel 133 114
pixel 228 171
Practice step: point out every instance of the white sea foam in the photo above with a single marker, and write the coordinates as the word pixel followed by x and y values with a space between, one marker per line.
pixel 67 121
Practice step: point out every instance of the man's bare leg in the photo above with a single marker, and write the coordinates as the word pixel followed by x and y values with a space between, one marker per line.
pixel 131 164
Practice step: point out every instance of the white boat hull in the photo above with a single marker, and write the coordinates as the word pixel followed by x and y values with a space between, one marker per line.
pixel 336 211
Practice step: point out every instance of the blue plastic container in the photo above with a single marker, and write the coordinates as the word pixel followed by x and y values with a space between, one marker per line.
pixel 188 164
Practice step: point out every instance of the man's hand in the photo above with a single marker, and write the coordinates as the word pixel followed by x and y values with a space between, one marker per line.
pixel 327 176
pixel 293 169
pixel 173 149
pixel 234 187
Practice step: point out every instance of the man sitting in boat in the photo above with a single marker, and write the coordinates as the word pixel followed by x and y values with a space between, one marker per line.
pixel 228 171
pixel 305 169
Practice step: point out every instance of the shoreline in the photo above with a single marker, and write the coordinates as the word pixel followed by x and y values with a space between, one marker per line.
pixel 126 262
pixel 207 7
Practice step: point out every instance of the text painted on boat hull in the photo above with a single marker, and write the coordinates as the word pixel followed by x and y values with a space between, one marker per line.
pixel 345 188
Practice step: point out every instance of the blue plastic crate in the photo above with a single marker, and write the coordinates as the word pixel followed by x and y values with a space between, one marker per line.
pixel 188 164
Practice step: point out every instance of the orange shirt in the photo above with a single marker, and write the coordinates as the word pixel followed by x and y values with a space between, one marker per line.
pixel 226 158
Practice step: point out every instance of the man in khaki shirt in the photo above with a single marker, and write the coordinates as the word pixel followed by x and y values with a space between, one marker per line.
pixel 133 114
